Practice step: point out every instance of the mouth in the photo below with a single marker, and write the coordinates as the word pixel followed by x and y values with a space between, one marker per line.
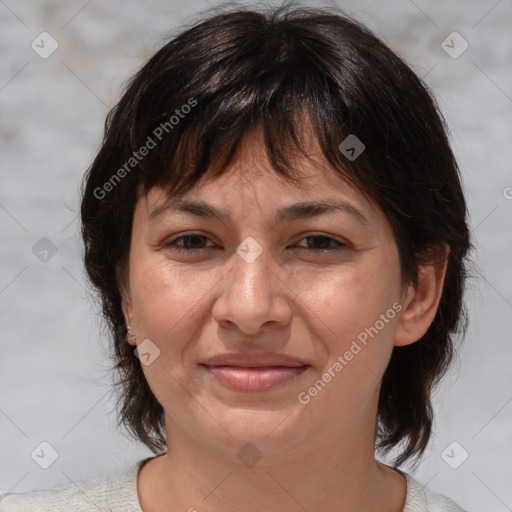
pixel 260 378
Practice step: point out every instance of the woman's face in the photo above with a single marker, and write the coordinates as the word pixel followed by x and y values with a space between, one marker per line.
pixel 266 276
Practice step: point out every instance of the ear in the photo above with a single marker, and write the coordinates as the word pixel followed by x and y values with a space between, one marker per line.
pixel 126 304
pixel 421 301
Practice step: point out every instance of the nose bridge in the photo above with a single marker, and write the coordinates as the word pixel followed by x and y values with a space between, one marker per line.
pixel 250 278
pixel 251 294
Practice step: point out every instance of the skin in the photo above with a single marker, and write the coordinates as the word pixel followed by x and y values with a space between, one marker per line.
pixel 312 305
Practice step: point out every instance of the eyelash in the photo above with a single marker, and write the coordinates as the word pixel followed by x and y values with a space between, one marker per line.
pixel 182 249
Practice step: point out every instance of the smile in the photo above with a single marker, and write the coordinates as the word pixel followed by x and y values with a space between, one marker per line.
pixel 253 378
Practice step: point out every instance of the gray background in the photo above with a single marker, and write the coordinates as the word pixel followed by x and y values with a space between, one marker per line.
pixel 54 373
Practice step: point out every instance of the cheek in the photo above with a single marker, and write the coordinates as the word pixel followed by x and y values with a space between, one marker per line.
pixel 166 308
pixel 348 302
pixel 172 306
pixel 357 333
pixel 165 299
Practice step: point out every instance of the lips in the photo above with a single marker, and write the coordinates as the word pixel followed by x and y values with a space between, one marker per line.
pixel 244 372
pixel 254 360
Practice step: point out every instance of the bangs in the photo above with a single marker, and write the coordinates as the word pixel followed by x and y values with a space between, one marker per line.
pixel 204 152
pixel 273 87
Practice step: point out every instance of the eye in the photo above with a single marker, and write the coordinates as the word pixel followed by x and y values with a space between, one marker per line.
pixel 190 243
pixel 322 242
pixel 194 242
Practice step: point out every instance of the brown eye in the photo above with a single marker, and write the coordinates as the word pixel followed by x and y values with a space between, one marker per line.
pixel 190 242
pixel 322 243
pixel 194 242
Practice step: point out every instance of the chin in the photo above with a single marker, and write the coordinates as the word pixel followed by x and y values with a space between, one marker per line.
pixel 269 431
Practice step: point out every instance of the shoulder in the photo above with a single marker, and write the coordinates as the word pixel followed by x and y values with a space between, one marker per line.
pixel 112 493
pixel 421 499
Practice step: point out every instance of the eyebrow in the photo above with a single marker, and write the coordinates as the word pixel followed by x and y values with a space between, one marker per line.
pixel 294 211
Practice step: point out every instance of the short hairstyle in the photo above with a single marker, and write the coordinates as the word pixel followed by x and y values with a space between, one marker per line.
pixel 204 92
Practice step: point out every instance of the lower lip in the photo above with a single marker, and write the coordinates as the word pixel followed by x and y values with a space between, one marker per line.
pixel 254 379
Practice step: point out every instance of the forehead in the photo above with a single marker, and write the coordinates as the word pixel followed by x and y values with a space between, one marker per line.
pixel 253 178
pixel 246 189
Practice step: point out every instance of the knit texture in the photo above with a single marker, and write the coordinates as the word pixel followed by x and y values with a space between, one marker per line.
pixel 118 493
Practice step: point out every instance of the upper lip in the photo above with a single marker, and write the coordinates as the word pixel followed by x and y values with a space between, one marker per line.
pixel 254 360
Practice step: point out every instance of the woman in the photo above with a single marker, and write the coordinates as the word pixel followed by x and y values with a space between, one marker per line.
pixel 276 227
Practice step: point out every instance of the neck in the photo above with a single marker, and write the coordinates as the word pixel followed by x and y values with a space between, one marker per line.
pixel 338 475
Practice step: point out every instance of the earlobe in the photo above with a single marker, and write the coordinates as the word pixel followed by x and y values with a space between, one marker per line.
pixel 131 335
pixel 421 301
pixel 126 305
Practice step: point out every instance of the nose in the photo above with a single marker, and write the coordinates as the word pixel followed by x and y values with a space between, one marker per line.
pixel 254 295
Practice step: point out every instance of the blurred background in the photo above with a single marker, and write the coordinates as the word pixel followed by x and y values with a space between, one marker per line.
pixel 61 70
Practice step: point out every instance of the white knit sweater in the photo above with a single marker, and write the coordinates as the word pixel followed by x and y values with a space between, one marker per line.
pixel 118 493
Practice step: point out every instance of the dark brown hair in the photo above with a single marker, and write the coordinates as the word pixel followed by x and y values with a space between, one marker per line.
pixel 240 68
